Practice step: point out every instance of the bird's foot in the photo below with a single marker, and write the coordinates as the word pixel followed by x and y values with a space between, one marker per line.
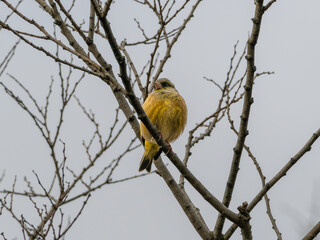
pixel 170 148
pixel 160 136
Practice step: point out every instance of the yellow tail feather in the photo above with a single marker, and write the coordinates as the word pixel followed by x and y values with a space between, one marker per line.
pixel 150 151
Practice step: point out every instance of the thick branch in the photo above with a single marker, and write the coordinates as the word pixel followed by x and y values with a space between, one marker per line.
pixel 184 201
pixel 248 100
pixel 306 148
pixel 313 232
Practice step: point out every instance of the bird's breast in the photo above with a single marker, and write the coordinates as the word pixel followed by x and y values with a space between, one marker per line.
pixel 168 112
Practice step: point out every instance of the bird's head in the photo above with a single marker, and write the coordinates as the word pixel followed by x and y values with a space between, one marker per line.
pixel 163 83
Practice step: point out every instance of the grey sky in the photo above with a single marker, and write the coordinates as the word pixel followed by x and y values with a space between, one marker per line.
pixel 284 115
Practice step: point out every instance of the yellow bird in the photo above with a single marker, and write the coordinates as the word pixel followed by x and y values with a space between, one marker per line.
pixel 167 110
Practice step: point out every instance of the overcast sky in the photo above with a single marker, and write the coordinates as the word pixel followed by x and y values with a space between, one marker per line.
pixel 284 115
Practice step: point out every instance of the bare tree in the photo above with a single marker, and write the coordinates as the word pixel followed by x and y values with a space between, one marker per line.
pixel 78 47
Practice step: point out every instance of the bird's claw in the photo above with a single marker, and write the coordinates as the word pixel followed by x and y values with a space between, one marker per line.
pixel 160 136
pixel 170 148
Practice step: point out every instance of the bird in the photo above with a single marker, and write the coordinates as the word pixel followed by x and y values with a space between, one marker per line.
pixel 167 110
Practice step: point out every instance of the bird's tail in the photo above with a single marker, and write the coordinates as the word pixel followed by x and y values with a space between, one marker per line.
pixel 150 151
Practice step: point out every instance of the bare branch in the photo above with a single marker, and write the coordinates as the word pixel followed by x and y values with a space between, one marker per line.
pixel 16 7
pixel 262 177
pixel 184 201
pixel 306 148
pixel 245 224
pixel 266 7
pixel 2 175
pixel 137 77
pixel 248 100
pixel 173 41
pixel 313 232
pixel 214 82
pixel 219 114
pixel 107 7
pixel 75 218
pixel 8 57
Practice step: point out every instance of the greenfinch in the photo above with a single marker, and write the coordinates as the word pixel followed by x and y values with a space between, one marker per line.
pixel 167 110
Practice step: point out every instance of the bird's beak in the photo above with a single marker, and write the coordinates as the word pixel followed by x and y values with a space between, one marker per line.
pixel 157 85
